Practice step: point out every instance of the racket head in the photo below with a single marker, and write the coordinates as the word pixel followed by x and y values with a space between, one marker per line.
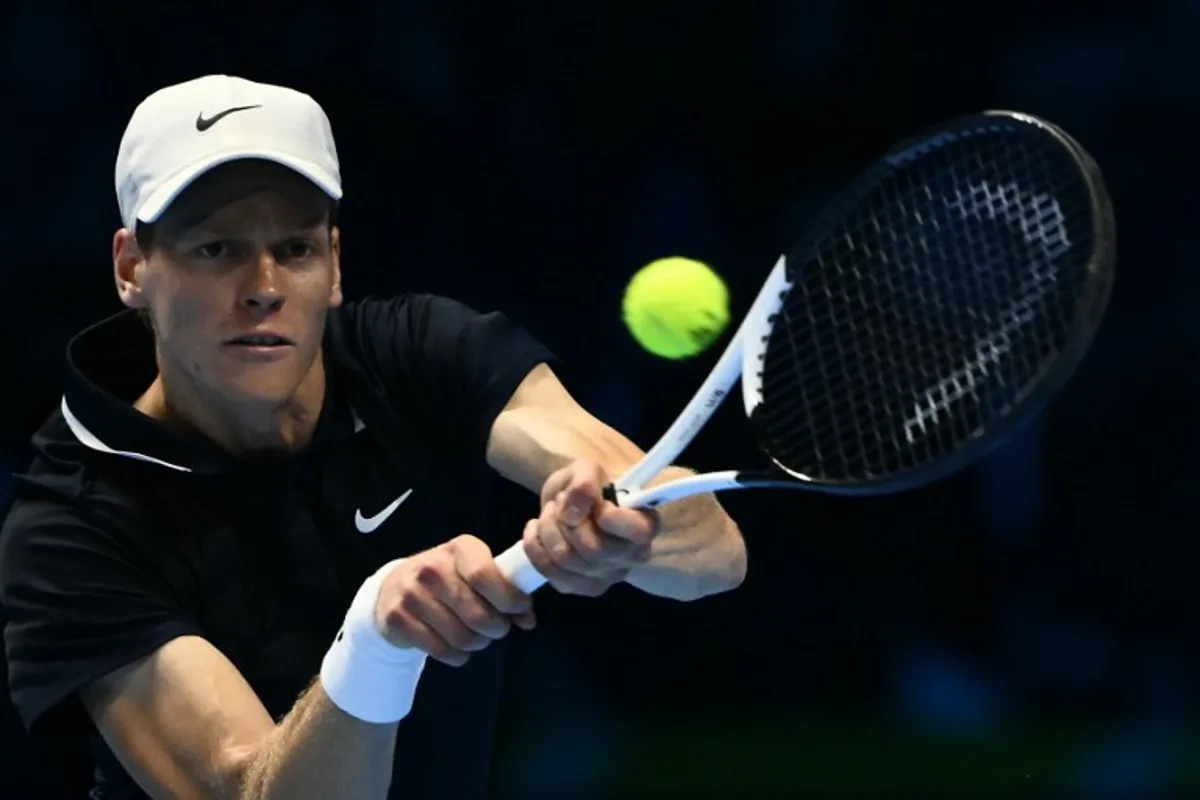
pixel 934 307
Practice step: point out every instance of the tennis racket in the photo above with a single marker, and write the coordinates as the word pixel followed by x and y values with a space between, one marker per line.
pixel 937 304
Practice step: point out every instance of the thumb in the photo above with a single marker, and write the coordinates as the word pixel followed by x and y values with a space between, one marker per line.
pixel 578 500
pixel 582 492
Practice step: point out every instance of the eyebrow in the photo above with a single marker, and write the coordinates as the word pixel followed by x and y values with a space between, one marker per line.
pixel 188 224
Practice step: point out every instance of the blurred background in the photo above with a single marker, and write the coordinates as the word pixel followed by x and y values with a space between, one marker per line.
pixel 1023 629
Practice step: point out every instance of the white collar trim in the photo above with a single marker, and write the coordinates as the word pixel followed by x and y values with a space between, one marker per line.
pixel 89 439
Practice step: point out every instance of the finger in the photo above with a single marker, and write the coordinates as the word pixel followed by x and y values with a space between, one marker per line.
pixel 555 484
pixel 582 494
pixel 560 541
pixel 563 581
pixel 445 603
pixel 635 525
pixel 477 568
pixel 404 621
pixel 447 623
pixel 598 551
pixel 526 621
pixel 475 611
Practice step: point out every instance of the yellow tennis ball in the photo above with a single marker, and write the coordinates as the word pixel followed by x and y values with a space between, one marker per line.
pixel 676 307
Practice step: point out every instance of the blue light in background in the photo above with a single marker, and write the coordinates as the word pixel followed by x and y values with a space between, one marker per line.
pixel 942 692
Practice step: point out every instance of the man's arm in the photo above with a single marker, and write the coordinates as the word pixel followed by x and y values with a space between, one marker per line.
pixel 543 430
pixel 184 723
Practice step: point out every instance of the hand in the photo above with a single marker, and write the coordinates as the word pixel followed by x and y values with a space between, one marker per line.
pixel 582 543
pixel 450 601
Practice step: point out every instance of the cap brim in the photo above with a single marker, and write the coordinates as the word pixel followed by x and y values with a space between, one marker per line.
pixel 161 198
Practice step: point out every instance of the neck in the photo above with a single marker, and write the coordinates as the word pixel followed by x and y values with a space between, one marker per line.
pixel 247 429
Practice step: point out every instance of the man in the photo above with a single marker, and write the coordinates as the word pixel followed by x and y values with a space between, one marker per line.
pixel 251 522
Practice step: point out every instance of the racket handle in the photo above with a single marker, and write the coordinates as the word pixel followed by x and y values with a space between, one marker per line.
pixel 515 566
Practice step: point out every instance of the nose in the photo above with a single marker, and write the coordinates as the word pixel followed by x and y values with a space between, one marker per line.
pixel 262 290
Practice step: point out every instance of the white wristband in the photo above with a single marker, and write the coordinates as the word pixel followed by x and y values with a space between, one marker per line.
pixel 363 673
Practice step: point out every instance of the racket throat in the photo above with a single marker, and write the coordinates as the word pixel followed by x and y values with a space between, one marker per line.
pixel 705 483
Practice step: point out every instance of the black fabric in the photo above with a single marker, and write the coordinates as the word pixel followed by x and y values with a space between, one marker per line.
pixel 104 557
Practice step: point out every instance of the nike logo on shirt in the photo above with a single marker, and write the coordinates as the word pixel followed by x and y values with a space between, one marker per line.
pixel 369 524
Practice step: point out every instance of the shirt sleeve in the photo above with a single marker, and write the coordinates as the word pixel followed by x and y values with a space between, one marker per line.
pixel 468 364
pixel 79 602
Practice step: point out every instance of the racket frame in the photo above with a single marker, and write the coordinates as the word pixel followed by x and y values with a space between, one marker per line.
pixel 1090 307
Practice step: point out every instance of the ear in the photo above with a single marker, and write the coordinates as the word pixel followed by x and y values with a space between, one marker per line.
pixel 127 260
pixel 335 246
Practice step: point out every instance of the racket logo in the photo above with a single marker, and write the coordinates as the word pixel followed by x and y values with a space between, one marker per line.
pixel 1042 224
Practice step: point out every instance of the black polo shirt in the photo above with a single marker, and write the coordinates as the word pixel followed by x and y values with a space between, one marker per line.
pixel 124 534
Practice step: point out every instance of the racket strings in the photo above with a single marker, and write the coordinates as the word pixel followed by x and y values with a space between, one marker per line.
pixel 924 314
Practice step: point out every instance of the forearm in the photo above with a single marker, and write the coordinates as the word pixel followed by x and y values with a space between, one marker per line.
pixel 339 739
pixel 698 552
pixel 319 751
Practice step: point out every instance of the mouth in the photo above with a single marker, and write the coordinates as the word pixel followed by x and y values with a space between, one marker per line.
pixel 260 340
pixel 259 344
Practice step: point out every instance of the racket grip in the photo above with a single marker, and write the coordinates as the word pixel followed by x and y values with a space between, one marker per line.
pixel 520 572
pixel 515 566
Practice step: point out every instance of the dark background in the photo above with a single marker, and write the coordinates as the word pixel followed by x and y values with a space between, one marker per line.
pixel 1026 627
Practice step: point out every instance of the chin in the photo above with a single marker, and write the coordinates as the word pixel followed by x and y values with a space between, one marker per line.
pixel 275 391
pixel 269 383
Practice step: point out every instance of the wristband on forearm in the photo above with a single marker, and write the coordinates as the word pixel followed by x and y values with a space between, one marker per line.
pixel 363 673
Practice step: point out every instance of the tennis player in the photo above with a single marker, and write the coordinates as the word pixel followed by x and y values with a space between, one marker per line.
pixel 251 544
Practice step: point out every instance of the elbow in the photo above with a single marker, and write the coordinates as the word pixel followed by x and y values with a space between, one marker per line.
pixel 242 777
pixel 738 565
pixel 733 574
pixel 728 570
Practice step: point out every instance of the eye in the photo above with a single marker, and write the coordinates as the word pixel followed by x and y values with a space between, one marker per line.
pixel 211 251
pixel 298 249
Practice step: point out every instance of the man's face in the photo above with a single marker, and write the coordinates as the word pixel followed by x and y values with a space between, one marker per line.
pixel 246 250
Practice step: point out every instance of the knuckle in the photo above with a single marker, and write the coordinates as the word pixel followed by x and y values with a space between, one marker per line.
pixel 474 572
pixel 394 619
pixel 589 546
pixel 559 548
pixel 472 546
pixel 428 574
pixel 409 602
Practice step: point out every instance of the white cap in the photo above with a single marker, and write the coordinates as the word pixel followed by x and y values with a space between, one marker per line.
pixel 180 132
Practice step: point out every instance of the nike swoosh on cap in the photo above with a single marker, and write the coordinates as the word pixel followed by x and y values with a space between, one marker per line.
pixel 369 524
pixel 203 124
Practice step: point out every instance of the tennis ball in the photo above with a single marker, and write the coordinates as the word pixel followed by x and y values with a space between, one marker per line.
pixel 676 307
